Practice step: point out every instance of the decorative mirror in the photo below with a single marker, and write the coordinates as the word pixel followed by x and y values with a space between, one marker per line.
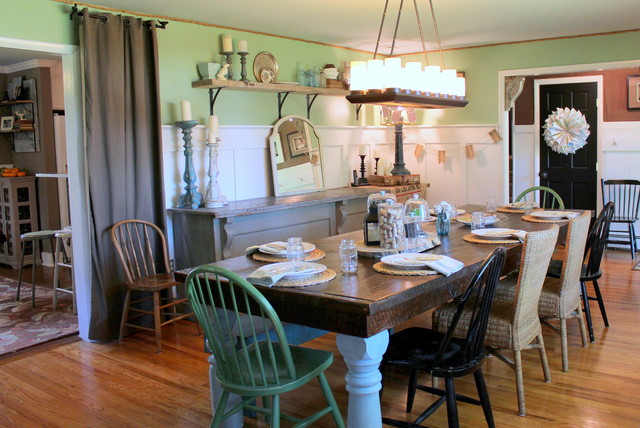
pixel 296 157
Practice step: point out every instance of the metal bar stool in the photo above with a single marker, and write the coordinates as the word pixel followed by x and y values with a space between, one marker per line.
pixel 60 258
pixel 35 238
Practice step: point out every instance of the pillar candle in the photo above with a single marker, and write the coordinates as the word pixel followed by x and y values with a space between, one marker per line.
pixel 213 124
pixel 363 149
pixel 227 45
pixel 185 106
pixel 242 46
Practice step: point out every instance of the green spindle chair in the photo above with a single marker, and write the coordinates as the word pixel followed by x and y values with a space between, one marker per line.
pixel 246 365
pixel 549 198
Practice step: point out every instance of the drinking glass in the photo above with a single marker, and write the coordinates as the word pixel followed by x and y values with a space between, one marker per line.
pixel 443 224
pixel 491 205
pixel 348 256
pixel 477 220
pixel 295 250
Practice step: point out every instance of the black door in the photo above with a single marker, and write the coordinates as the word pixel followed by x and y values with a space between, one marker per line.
pixel 573 176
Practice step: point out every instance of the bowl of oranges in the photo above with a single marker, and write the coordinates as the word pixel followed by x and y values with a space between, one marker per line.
pixel 12 172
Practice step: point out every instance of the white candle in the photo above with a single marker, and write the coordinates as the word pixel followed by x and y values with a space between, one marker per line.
pixel 213 124
pixel 227 45
pixel 185 106
pixel 242 46
pixel 363 150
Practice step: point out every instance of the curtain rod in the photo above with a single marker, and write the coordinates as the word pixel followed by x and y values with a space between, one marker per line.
pixel 75 11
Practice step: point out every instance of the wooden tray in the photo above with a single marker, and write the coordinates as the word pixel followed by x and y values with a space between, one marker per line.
pixel 394 180
pixel 432 240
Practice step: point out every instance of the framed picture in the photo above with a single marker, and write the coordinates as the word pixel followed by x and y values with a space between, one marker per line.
pixel 297 144
pixel 6 123
pixel 633 92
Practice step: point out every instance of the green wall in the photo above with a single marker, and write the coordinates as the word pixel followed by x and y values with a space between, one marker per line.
pixel 181 46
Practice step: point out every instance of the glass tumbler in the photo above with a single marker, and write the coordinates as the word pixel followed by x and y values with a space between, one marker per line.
pixel 348 256
pixel 491 204
pixel 477 220
pixel 295 250
pixel 443 224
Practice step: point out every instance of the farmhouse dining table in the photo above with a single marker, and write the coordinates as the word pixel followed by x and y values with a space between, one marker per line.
pixel 363 306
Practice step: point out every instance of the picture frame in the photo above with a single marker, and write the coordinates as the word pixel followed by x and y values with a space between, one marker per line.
pixel 6 123
pixel 298 145
pixel 633 92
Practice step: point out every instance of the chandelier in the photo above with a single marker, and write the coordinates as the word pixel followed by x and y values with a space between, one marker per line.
pixel 387 82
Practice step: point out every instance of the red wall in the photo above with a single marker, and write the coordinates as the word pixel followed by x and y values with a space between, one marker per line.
pixel 614 91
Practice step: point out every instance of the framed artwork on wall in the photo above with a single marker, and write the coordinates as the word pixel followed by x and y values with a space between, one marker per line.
pixel 6 123
pixel 633 92
pixel 297 144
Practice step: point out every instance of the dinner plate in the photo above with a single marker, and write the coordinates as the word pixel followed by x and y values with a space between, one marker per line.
pixel 294 269
pixel 409 260
pixel 279 248
pixel 459 212
pixel 488 219
pixel 495 233
pixel 551 215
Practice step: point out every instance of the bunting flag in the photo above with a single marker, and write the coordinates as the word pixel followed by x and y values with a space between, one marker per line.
pixel 495 136
pixel 418 151
pixel 441 156
pixel 468 151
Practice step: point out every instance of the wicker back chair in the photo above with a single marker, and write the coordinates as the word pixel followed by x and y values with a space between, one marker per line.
pixel 513 322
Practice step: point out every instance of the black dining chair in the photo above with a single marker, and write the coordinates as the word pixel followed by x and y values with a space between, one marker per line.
pixel 445 356
pixel 625 194
pixel 594 250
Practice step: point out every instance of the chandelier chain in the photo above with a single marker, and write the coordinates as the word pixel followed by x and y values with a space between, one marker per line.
pixel 395 32
pixel 384 14
pixel 424 46
pixel 435 28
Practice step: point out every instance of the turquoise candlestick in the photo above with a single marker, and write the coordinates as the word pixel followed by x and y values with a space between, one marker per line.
pixel 191 198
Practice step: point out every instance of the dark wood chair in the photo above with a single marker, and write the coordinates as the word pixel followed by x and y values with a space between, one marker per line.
pixel 625 194
pixel 445 356
pixel 596 243
pixel 137 242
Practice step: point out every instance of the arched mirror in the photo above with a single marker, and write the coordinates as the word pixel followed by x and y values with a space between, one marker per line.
pixel 296 157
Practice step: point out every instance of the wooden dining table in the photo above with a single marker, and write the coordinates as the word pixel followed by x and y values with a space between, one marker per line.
pixel 361 307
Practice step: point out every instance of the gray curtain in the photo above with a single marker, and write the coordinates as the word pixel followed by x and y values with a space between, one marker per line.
pixel 123 147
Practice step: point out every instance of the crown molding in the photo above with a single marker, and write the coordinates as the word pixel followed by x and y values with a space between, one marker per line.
pixel 27 65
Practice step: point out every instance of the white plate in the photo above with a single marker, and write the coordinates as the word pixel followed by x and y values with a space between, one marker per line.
pixel 551 215
pixel 279 248
pixel 294 269
pixel 287 83
pixel 459 212
pixel 409 260
pixel 488 219
pixel 495 233
pixel 521 205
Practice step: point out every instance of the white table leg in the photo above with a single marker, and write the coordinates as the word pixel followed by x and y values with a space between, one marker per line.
pixel 363 357
pixel 235 421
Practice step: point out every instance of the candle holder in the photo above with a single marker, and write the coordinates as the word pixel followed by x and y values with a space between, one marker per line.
pixel 362 181
pixel 213 198
pixel 375 172
pixel 243 66
pixel 191 198
pixel 398 166
pixel 228 57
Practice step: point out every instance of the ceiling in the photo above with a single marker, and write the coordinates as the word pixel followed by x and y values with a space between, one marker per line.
pixel 355 23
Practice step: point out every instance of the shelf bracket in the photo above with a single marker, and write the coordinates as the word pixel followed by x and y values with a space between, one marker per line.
pixel 212 99
pixel 310 100
pixel 358 107
pixel 281 100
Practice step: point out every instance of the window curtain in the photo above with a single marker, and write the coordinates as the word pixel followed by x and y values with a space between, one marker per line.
pixel 123 147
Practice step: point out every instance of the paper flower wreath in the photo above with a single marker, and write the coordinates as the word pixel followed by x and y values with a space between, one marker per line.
pixel 566 131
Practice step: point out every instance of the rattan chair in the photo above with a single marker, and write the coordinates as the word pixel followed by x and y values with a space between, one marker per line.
pixel 445 356
pixel 549 198
pixel 625 194
pixel 513 322
pixel 596 243
pixel 247 364
pixel 137 242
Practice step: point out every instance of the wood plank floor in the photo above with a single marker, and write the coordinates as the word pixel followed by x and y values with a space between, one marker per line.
pixel 127 385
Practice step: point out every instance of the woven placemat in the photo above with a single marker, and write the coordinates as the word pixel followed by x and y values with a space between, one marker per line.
pixel 312 256
pixel 513 210
pixel 472 238
pixel 533 219
pixel 325 276
pixel 390 270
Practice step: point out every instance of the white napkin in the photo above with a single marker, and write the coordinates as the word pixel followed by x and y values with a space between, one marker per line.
pixel 520 234
pixel 571 215
pixel 276 246
pixel 270 274
pixel 445 265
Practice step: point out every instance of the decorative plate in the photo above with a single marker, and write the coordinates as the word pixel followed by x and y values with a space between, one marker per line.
pixel 294 269
pixel 488 219
pixel 495 233
pixel 279 248
pixel 552 215
pixel 409 260
pixel 265 66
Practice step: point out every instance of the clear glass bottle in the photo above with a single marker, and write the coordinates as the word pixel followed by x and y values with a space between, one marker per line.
pixel 295 250
pixel 371 230
pixel 302 75
pixel 391 223
pixel 348 256
pixel 443 223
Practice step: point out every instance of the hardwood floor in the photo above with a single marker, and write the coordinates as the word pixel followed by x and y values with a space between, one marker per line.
pixel 82 384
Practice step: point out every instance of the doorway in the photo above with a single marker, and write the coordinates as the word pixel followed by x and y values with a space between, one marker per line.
pixel 573 176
